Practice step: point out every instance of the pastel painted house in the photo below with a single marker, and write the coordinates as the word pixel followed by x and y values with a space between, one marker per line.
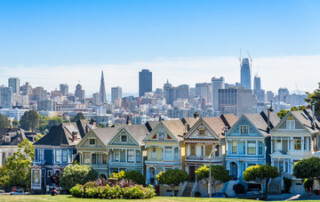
pixel 296 137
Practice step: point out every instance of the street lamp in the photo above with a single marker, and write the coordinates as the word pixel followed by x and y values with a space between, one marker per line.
pixel 210 171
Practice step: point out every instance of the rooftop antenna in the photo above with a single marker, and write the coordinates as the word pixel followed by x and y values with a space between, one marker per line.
pixel 240 57
pixel 249 56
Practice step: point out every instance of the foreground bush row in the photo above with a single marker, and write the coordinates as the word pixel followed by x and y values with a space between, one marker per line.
pixel 115 192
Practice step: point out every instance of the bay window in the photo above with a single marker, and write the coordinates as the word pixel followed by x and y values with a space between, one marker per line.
pixel 86 157
pixel 36 177
pixel 252 147
pixel 130 155
pixel 168 153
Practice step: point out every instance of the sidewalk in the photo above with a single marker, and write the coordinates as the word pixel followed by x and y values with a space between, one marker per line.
pixel 292 197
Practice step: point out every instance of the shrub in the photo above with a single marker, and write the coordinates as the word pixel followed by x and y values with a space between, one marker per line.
pixel 197 194
pixel 287 184
pixel 308 184
pixel 239 188
pixel 77 191
pixel 132 175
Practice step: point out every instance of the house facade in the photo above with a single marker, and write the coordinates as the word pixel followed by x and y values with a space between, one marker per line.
pixel 296 137
pixel 55 151
pixel 207 135
pixel 165 148
pixel 248 142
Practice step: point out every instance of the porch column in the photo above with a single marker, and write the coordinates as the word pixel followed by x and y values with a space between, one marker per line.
pixel 91 158
pixel 135 155
pixel 257 147
pixel 272 146
pixel 188 150
pixel 163 153
pixel 173 149
pixel 126 155
pixel 246 146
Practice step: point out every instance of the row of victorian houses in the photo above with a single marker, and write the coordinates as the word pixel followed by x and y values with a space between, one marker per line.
pixel 186 144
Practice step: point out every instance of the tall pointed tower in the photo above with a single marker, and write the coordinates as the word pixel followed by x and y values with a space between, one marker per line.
pixel 103 98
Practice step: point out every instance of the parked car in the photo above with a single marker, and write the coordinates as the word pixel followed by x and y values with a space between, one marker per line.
pixel 252 195
pixel 19 192
pixel 219 195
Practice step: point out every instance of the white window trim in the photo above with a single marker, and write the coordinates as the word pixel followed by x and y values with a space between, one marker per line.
pixel 95 142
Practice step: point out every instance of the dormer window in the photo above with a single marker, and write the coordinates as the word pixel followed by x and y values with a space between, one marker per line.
pixel 124 138
pixel 92 141
pixel 202 132
pixel 161 136
pixel 244 129
pixel 7 139
pixel 290 124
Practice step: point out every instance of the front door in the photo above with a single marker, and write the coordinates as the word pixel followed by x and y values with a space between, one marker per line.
pixel 234 170
pixel 192 173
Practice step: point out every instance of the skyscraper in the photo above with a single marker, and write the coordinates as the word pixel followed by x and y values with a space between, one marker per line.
pixel 145 82
pixel 102 92
pixel 256 83
pixel 216 84
pixel 245 73
pixel 64 89
pixel 116 94
pixel 5 97
pixel 257 91
pixel 14 84
pixel 79 93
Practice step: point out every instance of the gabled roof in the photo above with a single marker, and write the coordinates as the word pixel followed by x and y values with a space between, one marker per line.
pixel 151 125
pixel 260 121
pixel 16 135
pixel 62 134
pixel 218 124
pixel 176 127
pixel 138 132
pixel 106 134
pixel 190 121
pixel 229 119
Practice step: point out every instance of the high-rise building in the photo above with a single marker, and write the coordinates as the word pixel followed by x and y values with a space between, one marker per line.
pixel 216 84
pixel 204 90
pixel 5 97
pixel 14 84
pixel 245 73
pixel 182 91
pixel 257 91
pixel 116 94
pixel 269 96
pixel 64 89
pixel 256 83
pixel 236 101
pixel 102 92
pixel 166 92
pixel 38 93
pixel 96 99
pixel 79 93
pixel 46 105
pixel 283 94
pixel 26 89
pixel 145 82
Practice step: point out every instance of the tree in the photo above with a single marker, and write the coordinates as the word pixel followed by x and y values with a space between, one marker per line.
pixel 30 120
pixel 132 175
pixel 78 117
pixel 314 98
pixel 172 177
pixel 219 174
pixel 15 123
pixel 260 174
pixel 4 121
pixel 77 174
pixel 307 168
pixel 282 113
pixel 17 170
pixel 101 125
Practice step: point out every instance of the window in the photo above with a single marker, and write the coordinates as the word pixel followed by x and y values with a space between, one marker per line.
pixel 290 124
pixel 161 136
pixel 138 153
pixel 168 153
pixel 176 154
pixel 92 141
pixel 124 138
pixel 130 155
pixel 208 149
pixel 244 129
pixel 41 154
pixel 104 159
pixel 8 139
pixel 202 132
pixel 217 151
pixel 86 157
pixel 297 143
pixel 58 156
pixel 260 149
pixel 64 155
pixel 251 147
pixel 278 145
pixel 36 177
pixel 117 155
pixel 69 156
pixel 193 149
pixel 94 158
pixel 49 173
pixel 153 153
pixel 234 147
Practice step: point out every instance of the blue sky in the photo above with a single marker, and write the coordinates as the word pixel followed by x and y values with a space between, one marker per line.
pixel 48 34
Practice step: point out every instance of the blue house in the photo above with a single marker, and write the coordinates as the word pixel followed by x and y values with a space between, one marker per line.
pixel 55 151
pixel 248 142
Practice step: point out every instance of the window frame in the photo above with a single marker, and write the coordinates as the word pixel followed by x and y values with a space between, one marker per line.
pixel 90 139
pixel 244 129
pixel 234 147
pixel 252 148
pixel 124 136
pixel 130 155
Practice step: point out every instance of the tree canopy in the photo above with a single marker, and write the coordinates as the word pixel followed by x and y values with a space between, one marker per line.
pixel 77 174
pixel 78 117
pixel 172 177
pixel 4 121
pixel 132 175
pixel 218 172
pixel 260 173
pixel 307 168
pixel 30 120
pixel 282 113
pixel 314 98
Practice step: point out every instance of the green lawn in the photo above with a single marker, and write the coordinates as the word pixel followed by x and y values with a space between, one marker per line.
pixel 68 198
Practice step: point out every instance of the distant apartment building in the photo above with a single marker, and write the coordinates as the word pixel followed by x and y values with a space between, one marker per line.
pixel 38 93
pixel 5 97
pixel 216 84
pixel 46 105
pixel 79 93
pixel 14 84
pixel 26 89
pixel 203 90
pixel 283 95
pixel 236 101
pixel 145 82
pixel 269 96
pixel 116 95
pixel 96 99
pixel 64 89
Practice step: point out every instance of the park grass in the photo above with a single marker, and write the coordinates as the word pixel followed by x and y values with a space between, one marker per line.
pixel 69 198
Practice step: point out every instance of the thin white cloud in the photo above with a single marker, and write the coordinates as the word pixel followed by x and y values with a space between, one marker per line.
pixel 294 72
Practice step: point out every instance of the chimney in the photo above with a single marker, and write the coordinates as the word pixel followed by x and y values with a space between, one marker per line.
pixel 269 110
pixel 196 115
pixel 75 135
pixel 313 118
